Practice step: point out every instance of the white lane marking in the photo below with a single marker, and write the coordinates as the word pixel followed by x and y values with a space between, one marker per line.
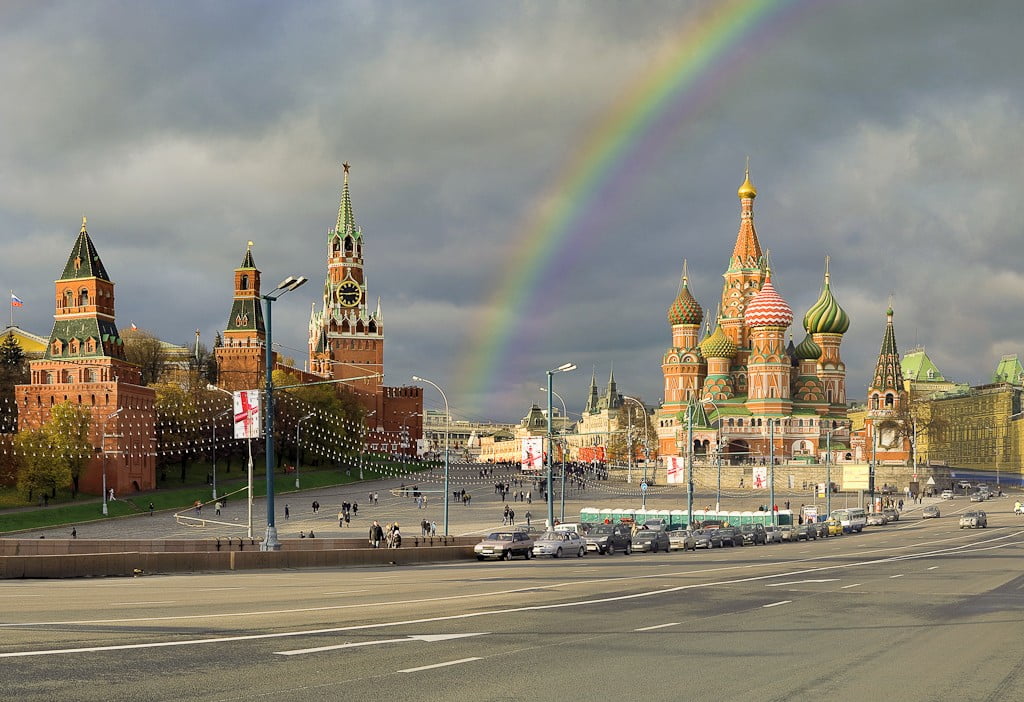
pixel 798 582
pixel 932 567
pixel 896 576
pixel 215 589
pixel 657 626
pixel 680 588
pixel 345 592
pixel 152 602
pixel 359 644
pixel 776 604
pixel 439 665
pixel 846 587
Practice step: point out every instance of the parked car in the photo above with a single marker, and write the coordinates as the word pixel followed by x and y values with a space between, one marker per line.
pixel 974 519
pixel 505 545
pixel 930 512
pixel 608 538
pixel 820 527
pixel 893 515
pixel 835 527
pixel 806 532
pixel 772 534
pixel 752 533
pixel 730 536
pixel 877 519
pixel 978 496
pixel 559 543
pixel 681 538
pixel 788 532
pixel 651 540
pixel 947 495
pixel 707 538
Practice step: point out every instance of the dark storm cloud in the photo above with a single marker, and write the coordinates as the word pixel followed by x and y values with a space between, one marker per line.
pixel 882 134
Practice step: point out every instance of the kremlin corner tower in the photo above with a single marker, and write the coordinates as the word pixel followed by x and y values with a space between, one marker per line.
pixel 743 377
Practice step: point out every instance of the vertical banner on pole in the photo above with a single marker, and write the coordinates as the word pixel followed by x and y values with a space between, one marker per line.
pixel 247 414
pixel 532 454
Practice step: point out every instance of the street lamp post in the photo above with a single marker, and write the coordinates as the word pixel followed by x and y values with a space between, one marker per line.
pixel 222 414
pixel 270 542
pixel 103 446
pixel 447 432
pixel 298 447
pixel 771 467
pixel 828 473
pixel 629 444
pixel 564 368
pixel 689 462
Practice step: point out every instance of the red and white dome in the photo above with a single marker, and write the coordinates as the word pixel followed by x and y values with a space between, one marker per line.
pixel 768 309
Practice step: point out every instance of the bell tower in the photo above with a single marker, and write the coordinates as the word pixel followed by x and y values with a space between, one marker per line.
pixel 241 357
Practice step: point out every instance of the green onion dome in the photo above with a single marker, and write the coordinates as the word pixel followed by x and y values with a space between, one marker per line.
pixel 825 315
pixel 718 345
pixel 808 350
pixel 685 310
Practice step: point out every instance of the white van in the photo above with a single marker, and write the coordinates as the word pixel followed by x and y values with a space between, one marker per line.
pixel 852 519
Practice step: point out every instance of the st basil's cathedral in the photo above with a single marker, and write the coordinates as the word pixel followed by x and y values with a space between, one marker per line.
pixel 742 390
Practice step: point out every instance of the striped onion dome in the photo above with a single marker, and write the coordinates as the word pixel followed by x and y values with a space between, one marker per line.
pixel 718 345
pixel 825 315
pixel 808 350
pixel 768 309
pixel 685 310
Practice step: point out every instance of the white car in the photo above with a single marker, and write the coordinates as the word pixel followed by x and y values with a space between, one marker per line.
pixel 947 495
pixel 559 543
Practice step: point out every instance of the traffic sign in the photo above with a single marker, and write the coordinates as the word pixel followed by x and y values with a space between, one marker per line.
pixel 643 486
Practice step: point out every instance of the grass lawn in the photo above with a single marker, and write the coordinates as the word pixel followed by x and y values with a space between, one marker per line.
pixel 89 508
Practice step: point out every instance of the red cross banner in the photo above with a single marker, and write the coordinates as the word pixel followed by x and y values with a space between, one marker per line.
pixel 247 414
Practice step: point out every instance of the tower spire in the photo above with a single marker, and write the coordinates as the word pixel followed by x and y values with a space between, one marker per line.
pixel 346 217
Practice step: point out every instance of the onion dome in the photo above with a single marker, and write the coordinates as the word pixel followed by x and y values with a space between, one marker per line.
pixel 808 350
pixel 747 190
pixel 768 309
pixel 685 310
pixel 825 315
pixel 718 345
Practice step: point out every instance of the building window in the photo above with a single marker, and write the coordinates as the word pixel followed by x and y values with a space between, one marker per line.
pixel 244 283
pixel 83 297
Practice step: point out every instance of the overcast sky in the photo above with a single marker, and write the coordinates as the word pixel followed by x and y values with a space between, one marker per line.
pixel 886 135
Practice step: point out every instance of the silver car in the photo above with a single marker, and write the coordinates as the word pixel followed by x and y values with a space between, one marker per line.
pixel 559 543
pixel 974 519
pixel 772 534
pixel 681 538
pixel 504 545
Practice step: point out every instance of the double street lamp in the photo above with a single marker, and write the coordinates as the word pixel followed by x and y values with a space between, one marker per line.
pixel 629 444
pixel 447 431
pixel 565 416
pixel 270 542
pixel 564 368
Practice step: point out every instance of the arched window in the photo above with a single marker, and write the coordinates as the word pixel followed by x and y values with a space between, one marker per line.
pixel 83 297
pixel 69 298
pixel 243 283
pixel 335 246
pixel 889 400
pixel 348 246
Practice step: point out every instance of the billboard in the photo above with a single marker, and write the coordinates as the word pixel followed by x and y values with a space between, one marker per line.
pixel 533 454
pixel 855 477
pixel 247 414
pixel 675 469
pixel 760 477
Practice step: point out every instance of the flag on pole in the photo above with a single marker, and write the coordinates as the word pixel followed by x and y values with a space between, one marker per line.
pixel 16 301
pixel 134 328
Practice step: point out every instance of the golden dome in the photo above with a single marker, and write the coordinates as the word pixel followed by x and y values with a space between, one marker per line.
pixel 747 190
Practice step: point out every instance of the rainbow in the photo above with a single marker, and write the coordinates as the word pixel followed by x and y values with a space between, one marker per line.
pixel 687 75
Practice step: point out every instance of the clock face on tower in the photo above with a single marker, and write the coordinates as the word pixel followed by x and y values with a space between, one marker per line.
pixel 349 293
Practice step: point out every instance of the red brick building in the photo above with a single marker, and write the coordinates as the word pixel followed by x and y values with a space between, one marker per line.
pixel 85 364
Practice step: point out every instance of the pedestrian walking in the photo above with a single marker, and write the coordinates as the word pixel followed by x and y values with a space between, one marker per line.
pixel 433 528
pixel 286 512
pixel 74 533
pixel 216 507
pixel 151 509
pixel 376 534
pixel 528 517
pixel 355 509
pixel 341 518
pixel 376 498
pixel 511 516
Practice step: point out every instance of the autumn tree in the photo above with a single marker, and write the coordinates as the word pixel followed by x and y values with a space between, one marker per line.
pixel 68 432
pixel 146 351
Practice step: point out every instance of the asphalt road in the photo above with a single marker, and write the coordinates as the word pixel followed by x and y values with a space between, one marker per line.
pixel 917 610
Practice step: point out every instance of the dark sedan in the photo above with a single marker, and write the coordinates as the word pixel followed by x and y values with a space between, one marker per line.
pixel 707 538
pixel 730 536
pixel 806 532
pixel 650 540
pixel 609 538
pixel 752 533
